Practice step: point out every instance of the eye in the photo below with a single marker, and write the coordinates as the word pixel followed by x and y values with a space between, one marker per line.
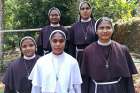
pixel 31 45
pixel 60 40
pixel 85 8
pixel 24 46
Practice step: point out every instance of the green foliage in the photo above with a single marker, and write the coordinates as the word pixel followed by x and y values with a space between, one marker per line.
pixel 115 9
pixel 24 14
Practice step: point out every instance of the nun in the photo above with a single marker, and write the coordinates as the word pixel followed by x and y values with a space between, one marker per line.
pixel 16 76
pixel 43 43
pixel 57 71
pixel 107 65
pixel 82 32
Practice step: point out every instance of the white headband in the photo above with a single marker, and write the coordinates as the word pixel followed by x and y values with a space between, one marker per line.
pixel 103 18
pixel 28 37
pixel 83 3
pixel 54 8
pixel 60 31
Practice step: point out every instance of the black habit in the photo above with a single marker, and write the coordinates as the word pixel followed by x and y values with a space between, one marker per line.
pixel 81 35
pixel 16 76
pixel 43 44
pixel 120 64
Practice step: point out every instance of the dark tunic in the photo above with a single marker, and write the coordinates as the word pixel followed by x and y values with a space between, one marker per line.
pixel 16 76
pixel 120 65
pixel 43 43
pixel 81 35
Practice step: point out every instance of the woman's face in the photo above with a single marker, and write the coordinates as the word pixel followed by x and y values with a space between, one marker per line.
pixel 54 17
pixel 28 47
pixel 57 43
pixel 104 31
pixel 85 11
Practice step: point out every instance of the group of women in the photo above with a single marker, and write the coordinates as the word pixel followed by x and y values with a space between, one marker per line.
pixel 80 59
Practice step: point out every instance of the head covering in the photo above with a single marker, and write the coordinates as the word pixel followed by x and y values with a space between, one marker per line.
pixel 103 19
pixel 54 8
pixel 83 3
pixel 55 31
pixel 27 37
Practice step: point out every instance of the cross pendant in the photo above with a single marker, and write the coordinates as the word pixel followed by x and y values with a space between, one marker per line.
pixel 85 37
pixel 56 78
pixel 107 66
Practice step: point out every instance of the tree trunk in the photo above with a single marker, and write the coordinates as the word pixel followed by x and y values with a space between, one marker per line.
pixel 1 34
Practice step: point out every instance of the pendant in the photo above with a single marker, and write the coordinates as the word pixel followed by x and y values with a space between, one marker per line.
pixel 107 65
pixel 56 78
pixel 85 37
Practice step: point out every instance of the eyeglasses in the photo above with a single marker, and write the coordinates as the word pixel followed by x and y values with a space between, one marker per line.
pixel 85 8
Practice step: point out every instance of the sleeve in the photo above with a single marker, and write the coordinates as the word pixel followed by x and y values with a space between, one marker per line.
pixel 8 80
pixel 128 81
pixel 72 47
pixel 77 88
pixel 76 75
pixel 39 42
pixel 35 76
pixel 36 89
pixel 84 73
pixel 131 65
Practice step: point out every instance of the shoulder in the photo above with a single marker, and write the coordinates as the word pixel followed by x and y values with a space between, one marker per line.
pixel 43 59
pixel 75 24
pixel 121 46
pixel 14 64
pixel 70 58
pixel 91 46
pixel 45 28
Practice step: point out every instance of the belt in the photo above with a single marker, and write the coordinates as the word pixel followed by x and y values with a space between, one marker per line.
pixel 105 83
pixel 78 50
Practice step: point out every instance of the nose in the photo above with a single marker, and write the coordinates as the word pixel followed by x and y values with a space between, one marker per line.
pixel 57 43
pixel 104 30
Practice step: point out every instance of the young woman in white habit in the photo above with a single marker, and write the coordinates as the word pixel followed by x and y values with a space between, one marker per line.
pixel 56 72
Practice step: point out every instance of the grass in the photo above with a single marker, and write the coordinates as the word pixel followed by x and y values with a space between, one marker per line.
pixel 1 90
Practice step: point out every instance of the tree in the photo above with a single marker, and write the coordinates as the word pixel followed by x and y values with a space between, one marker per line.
pixel 1 34
pixel 22 14
pixel 1 26
pixel 115 9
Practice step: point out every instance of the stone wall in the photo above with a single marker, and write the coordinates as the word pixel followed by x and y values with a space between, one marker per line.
pixel 129 34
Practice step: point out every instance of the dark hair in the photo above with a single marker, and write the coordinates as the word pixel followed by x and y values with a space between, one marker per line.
pixel 23 39
pixel 102 19
pixel 50 10
pixel 88 5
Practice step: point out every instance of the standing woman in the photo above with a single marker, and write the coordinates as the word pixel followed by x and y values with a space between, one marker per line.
pixel 43 44
pixel 82 32
pixel 56 72
pixel 107 64
pixel 16 76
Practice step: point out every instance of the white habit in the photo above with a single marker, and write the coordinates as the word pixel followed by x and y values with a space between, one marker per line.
pixel 56 74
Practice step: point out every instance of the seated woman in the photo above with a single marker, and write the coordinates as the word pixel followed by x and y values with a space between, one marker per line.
pixel 107 65
pixel 16 76
pixel 56 72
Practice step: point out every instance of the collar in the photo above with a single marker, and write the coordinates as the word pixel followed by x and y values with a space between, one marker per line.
pixel 56 56
pixel 104 44
pixel 87 20
pixel 54 25
pixel 29 58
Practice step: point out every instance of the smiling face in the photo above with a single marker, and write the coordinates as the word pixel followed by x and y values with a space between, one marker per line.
pixel 104 31
pixel 54 17
pixel 85 11
pixel 57 43
pixel 28 47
